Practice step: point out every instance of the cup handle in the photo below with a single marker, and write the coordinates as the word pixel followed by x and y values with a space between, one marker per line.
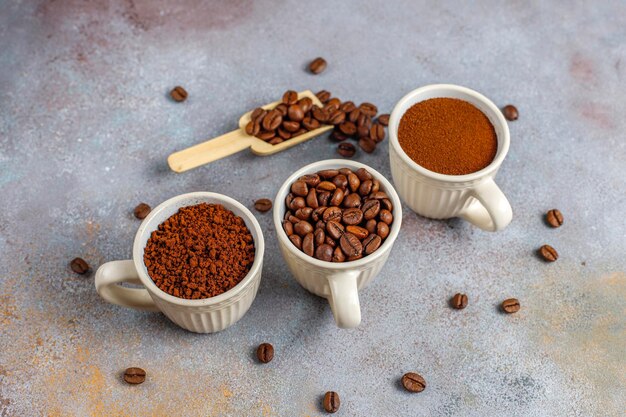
pixel 112 273
pixel 344 299
pixel 494 211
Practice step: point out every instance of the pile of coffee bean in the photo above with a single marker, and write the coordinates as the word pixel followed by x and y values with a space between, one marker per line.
pixel 352 121
pixel 337 215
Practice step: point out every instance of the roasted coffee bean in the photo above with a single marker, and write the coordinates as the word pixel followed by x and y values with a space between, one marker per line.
pixel 282 109
pixel 338 255
pixel 290 97
pixel 295 113
pixel 305 104
pixel 385 216
pixel 258 112
pixel 337 197
pixel 310 123
pixel 324 252
pixel 252 128
pixel 293 219
pixel 320 225
pixel 353 182
pixel 371 244
pixel 510 112
pixel 179 94
pixel 337 136
pixel 336 117
pixel 548 253
pixel 297 203
pixel 288 227
pixel 413 382
pixel 331 402
pixel 352 200
pixel 302 227
pixel 263 205
pixel 370 208
pixel 459 301
pixel 347 128
pixel 383 119
pixel 554 218
pixel 275 140
pixel 304 213
pixel 345 171
pixel 296 240
pixel 330 241
pixel 352 216
pixel 363 174
pixel 291 126
pixel 334 229
pixel 382 230
pixel 370 225
pixel 341 181
pixel 367 144
pixel 375 186
pixel 368 109
pixel 365 188
pixel 332 213
pixel 311 198
pixel 283 134
pixel 328 174
pixel 377 195
pixel 326 186
pixel 266 135
pixel 141 211
pixel 310 179
pixel 364 121
pixel 323 197
pixel 347 150
pixel 272 120
pixel 386 204
pixel 332 105
pixel 308 245
pixel 317 65
pixel 319 236
pixel 79 265
pixel 510 305
pixel 319 114
pixel 350 245
pixel 265 352
pixel 300 188
pixel 357 231
pixel 362 132
pixel 289 200
pixel 134 376
pixel 317 214
pixel 323 95
pixel 354 114
pixel 377 132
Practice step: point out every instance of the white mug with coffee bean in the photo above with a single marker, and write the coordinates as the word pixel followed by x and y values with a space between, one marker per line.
pixel 446 144
pixel 336 222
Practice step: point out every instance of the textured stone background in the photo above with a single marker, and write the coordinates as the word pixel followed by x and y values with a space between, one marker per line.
pixel 85 129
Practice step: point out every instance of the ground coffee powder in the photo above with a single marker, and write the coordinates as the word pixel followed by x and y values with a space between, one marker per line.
pixel 199 252
pixel 448 136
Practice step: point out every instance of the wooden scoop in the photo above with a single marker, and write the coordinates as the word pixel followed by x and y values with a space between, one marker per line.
pixel 238 140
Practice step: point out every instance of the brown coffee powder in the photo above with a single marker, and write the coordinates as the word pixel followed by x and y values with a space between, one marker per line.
pixel 199 252
pixel 448 136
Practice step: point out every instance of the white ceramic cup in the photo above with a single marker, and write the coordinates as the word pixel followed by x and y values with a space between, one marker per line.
pixel 337 282
pixel 474 197
pixel 206 315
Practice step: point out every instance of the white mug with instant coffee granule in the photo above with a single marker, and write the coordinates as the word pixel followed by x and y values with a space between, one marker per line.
pixel 448 169
pixel 186 301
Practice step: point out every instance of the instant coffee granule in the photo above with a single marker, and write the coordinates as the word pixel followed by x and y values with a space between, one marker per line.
pixel 199 252
pixel 448 136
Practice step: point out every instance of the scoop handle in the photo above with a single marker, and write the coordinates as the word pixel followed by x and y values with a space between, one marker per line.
pixel 209 151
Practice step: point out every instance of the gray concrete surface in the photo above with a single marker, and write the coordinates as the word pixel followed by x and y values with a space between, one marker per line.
pixel 85 129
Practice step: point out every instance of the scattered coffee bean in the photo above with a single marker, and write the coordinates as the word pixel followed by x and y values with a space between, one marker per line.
pixel 265 352
pixel 554 218
pixel 510 305
pixel 79 266
pixel 413 382
pixel 323 95
pixel 459 301
pixel 263 205
pixel 510 112
pixel 290 97
pixel 383 119
pixel 134 376
pixel 141 211
pixel 331 402
pixel 318 65
pixel 347 150
pixel 367 144
pixel 179 94
pixel 548 253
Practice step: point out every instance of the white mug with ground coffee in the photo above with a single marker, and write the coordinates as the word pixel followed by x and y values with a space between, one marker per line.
pixel 183 266
pixel 446 144
pixel 338 248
